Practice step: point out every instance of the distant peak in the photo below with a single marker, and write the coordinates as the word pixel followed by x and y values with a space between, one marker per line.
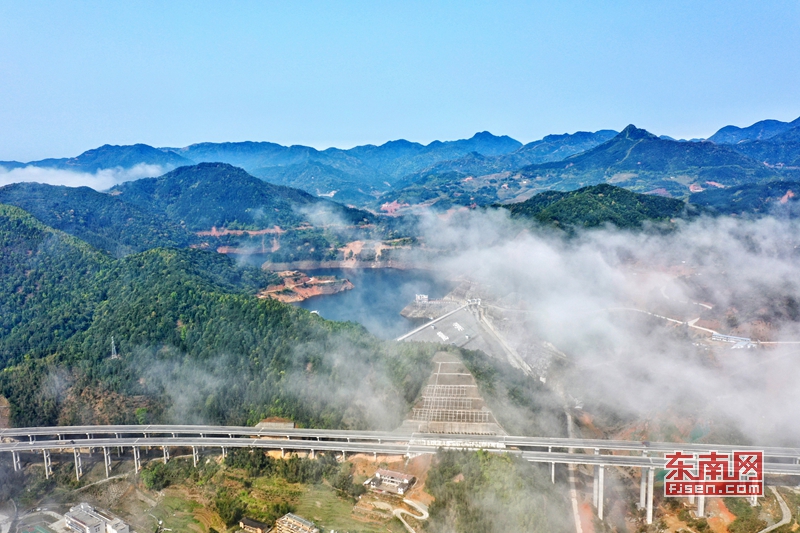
pixel 632 132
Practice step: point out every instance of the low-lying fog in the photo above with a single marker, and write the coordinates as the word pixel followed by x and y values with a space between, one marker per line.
pixel 639 366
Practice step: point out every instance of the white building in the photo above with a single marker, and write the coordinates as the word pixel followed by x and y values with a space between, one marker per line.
pixel 84 518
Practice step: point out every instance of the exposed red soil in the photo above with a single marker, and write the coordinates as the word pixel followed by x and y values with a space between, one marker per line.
pixel 219 232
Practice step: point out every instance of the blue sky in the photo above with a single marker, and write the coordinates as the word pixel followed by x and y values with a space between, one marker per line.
pixel 75 75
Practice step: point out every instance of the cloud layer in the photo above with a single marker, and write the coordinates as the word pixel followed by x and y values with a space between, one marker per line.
pixel 101 180
pixel 595 297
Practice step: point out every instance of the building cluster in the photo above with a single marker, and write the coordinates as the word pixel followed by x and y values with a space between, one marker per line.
pixel 84 518
pixel 391 482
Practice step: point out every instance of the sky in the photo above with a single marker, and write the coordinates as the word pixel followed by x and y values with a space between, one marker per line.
pixel 76 75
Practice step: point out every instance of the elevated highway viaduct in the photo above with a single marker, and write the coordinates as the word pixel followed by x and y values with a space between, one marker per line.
pixel 597 453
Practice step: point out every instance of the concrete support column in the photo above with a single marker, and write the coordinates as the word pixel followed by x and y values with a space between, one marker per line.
pixel 753 501
pixel 344 456
pixel 375 456
pixel 194 456
pixel 691 500
pixel 600 493
pixel 701 506
pixel 283 453
pixel 651 474
pixel 48 468
pixel 16 461
pixel 643 490
pixel 313 455
pixel 166 453
pixel 107 460
pixel 78 466
pixel 594 481
pixel 224 453
pixel 136 462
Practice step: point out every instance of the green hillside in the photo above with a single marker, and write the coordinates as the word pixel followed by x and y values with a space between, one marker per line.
pixel 775 197
pixel 195 344
pixel 102 220
pixel 218 194
pixel 598 205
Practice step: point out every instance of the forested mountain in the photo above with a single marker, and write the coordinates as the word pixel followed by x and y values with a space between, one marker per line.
pixel 634 159
pixel 218 194
pixel 761 130
pixel 46 285
pixel 551 148
pixel 357 175
pixel 111 156
pixel 194 344
pixel 102 220
pixel 321 180
pixel 598 205
pixel 638 160
pixel 782 155
pixel 775 197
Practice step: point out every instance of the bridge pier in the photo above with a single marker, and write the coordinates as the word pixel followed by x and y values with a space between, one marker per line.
pixel 166 453
pixel 595 491
pixel 701 506
pixel 78 465
pixel 107 460
pixel 600 493
pixel 194 455
pixel 16 461
pixel 642 490
pixel 651 474
pixel 48 468
pixel 137 465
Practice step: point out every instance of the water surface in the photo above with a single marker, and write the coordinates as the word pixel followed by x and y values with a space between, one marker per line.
pixel 378 297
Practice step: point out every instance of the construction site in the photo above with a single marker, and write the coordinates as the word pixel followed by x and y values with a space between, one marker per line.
pixel 451 402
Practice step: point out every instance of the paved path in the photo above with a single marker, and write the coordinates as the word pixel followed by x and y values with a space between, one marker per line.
pixel 787 515
pixel 416 505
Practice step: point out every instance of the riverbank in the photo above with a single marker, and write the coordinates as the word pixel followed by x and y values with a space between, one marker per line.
pixel 348 264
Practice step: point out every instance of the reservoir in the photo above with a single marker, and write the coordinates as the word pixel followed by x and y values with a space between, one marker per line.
pixel 378 297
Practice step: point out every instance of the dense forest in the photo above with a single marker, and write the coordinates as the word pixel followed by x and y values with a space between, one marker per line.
pixel 598 205
pixel 194 343
pixel 102 220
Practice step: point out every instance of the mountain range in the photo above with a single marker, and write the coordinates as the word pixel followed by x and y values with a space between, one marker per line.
pixel 485 168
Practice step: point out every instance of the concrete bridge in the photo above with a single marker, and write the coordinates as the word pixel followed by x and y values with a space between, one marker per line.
pixel 599 454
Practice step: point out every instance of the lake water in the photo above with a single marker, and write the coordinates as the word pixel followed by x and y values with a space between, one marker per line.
pixel 378 297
